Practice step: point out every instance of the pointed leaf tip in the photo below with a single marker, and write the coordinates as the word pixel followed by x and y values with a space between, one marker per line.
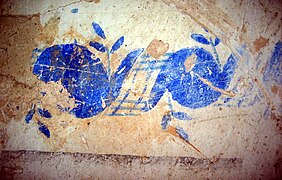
pixel 216 41
pixel 117 44
pixel 181 132
pixel 200 38
pixel 98 30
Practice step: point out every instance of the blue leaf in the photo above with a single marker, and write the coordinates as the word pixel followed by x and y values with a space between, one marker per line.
pixel 216 41
pixel 44 113
pixel 180 131
pixel 181 116
pixel 98 46
pixel 74 10
pixel 44 129
pixel 99 31
pixel 200 38
pixel 117 44
pixel 29 116
pixel 165 121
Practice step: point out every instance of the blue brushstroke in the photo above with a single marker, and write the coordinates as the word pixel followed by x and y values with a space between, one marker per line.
pixel 44 113
pixel 121 102
pixel 117 44
pixel 123 114
pixel 200 38
pixel 216 41
pixel 215 53
pixel 181 116
pixel 127 108
pixel 98 30
pixel 29 116
pixel 181 132
pixel 98 46
pixel 143 91
pixel 185 87
pixel 85 78
pixel 66 109
pixel 43 93
pixel 273 72
pixel 131 101
pixel 43 129
pixel 165 121
pixel 74 10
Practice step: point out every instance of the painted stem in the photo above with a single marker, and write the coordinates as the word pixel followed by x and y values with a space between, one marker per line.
pixel 170 103
pixel 215 53
pixel 109 63
pixel 172 131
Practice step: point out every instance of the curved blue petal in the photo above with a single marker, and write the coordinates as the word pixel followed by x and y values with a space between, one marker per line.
pixel 117 44
pixel 200 38
pixel 98 46
pixel 98 30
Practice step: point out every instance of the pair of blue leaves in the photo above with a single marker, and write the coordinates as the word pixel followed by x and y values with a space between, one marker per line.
pixel 203 40
pixel 100 47
pixel 43 113
pixel 178 115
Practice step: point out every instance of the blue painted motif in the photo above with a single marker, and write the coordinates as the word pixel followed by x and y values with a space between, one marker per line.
pixel 94 87
pixel 216 41
pixel 84 77
pixel 273 71
pixel 187 88
pixel 44 113
pixel 181 132
pixel 200 38
pixel 165 121
pixel 98 30
pixel 117 44
pixel 181 116
pixel 43 129
pixel 98 46
pixel 74 10
pixel 29 116
pixel 253 94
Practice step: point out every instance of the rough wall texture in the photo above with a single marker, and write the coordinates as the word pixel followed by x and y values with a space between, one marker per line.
pixel 161 80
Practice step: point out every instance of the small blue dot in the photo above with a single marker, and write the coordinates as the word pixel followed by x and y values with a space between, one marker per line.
pixel 75 10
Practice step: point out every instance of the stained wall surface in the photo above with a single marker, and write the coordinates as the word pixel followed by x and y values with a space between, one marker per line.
pixel 157 79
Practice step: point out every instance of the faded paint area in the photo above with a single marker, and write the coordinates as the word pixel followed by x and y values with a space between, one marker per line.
pixel 260 43
pixel 157 48
pixel 184 79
